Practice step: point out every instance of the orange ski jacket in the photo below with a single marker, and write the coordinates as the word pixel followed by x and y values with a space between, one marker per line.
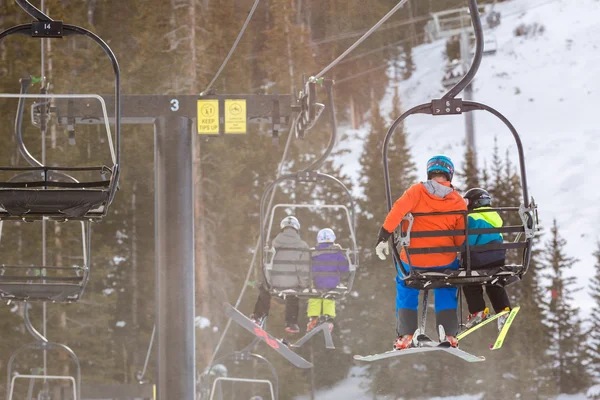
pixel 427 197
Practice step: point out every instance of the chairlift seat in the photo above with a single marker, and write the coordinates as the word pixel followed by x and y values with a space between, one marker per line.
pixel 501 276
pixel 55 292
pixel 65 203
pixel 306 271
pixel 338 292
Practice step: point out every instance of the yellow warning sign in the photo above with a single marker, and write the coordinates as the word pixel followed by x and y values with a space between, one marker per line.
pixel 235 116
pixel 208 117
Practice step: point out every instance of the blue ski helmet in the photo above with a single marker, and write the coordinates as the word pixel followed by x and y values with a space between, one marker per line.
pixel 440 164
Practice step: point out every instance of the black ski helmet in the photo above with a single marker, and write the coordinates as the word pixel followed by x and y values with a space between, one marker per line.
pixel 477 197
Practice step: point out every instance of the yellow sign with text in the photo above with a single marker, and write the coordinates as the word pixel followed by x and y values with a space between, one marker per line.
pixel 235 116
pixel 208 117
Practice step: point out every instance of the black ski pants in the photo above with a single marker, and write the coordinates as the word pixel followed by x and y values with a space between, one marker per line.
pixel 497 294
pixel 263 306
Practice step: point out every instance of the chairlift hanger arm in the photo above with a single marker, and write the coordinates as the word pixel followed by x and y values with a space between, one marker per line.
pixel 328 85
pixel 466 80
pixel 33 11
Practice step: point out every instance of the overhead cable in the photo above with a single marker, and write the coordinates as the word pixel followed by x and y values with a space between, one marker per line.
pixel 237 40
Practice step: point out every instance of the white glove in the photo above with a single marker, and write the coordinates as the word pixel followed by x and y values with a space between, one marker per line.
pixel 381 248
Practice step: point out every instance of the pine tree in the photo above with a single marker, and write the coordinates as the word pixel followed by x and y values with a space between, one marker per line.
pixel 499 187
pixel 375 284
pixel 531 346
pixel 562 319
pixel 470 174
pixel 594 330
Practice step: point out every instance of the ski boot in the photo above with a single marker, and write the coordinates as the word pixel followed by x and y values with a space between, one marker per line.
pixel 327 319
pixel 312 323
pixel 502 319
pixel 449 339
pixel 403 342
pixel 476 318
pixel 258 320
pixel 292 328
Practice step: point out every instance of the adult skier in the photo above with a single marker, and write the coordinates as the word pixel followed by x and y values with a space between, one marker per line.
pixel 292 259
pixel 434 195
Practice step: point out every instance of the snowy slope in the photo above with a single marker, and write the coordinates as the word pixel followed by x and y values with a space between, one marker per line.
pixel 549 88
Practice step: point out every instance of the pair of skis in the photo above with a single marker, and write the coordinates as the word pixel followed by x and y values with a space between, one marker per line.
pixel 425 344
pixel 280 346
pixel 503 332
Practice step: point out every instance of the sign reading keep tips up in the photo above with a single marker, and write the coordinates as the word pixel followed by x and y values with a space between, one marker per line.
pixel 235 116
pixel 208 117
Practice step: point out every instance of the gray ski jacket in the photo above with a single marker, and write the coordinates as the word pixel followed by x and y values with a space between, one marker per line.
pixel 285 244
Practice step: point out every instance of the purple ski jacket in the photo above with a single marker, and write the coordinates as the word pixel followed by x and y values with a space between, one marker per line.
pixel 325 258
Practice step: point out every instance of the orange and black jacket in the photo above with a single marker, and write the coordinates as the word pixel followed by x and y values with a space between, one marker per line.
pixel 428 197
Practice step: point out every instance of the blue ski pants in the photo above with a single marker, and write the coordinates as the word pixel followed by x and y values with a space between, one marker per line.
pixel 407 304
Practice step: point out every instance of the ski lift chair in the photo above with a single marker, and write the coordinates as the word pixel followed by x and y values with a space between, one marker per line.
pixel 41 344
pixel 47 197
pixel 497 275
pixel 63 284
pixel 527 212
pixel 303 269
pixel 237 357
pixel 419 279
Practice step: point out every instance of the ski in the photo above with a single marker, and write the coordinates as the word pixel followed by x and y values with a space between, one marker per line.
pixel 427 344
pixel 395 353
pixel 502 335
pixel 479 325
pixel 324 327
pixel 277 345
pixel 460 353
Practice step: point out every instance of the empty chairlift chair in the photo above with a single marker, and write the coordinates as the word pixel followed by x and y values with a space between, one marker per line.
pixel 47 282
pixel 43 191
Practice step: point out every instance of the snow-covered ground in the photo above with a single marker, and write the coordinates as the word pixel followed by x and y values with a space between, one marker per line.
pixel 355 388
pixel 548 86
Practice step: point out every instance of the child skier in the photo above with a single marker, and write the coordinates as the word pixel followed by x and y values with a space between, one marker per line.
pixel 480 200
pixel 327 257
pixel 293 256
pixel 434 195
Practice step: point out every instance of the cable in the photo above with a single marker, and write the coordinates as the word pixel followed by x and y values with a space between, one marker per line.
pixel 347 35
pixel 387 46
pixel 140 374
pixel 237 40
pixel 348 78
pixel 386 64
pixel 256 248
pixel 361 39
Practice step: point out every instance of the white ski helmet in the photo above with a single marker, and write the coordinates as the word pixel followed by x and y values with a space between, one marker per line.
pixel 326 236
pixel 290 222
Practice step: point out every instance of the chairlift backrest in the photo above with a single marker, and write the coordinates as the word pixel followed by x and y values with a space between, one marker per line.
pixel 282 274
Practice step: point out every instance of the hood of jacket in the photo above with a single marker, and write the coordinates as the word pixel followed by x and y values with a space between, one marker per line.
pixel 438 189
pixel 289 238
